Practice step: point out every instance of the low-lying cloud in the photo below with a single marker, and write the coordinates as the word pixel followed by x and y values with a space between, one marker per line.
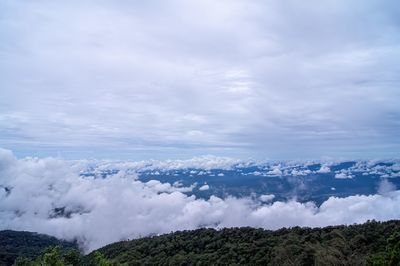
pixel 49 196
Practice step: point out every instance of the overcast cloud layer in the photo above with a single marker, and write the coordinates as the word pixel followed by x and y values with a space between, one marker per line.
pixel 49 196
pixel 163 79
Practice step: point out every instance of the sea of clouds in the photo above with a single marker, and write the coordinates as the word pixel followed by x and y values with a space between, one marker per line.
pixel 51 196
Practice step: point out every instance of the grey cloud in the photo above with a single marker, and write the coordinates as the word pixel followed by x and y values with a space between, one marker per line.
pixel 177 78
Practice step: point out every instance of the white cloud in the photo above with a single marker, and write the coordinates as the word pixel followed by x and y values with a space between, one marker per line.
pixel 342 176
pixel 385 187
pixel 204 187
pixel 159 187
pixel 276 171
pixel 267 198
pixel 324 169
pixel 256 173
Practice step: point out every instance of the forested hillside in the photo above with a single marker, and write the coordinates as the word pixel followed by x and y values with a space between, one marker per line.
pixel 372 243
pixel 15 243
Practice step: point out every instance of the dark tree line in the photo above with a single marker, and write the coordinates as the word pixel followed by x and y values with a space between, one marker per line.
pixel 372 243
pixel 15 244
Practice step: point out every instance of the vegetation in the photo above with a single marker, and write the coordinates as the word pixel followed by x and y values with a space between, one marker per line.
pixel 14 244
pixel 391 256
pixel 372 243
pixel 52 256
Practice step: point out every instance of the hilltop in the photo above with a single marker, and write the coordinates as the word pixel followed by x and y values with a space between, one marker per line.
pixel 371 243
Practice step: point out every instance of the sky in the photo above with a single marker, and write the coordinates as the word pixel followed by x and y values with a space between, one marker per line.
pixel 177 79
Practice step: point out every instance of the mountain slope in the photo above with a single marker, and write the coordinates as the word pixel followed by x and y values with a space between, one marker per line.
pixel 372 243
pixel 335 245
pixel 14 244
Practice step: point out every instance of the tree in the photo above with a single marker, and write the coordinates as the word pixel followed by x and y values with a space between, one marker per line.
pixel 52 256
pixel 100 259
pixel 391 257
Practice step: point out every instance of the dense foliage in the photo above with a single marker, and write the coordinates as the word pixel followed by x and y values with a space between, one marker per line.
pixel 54 256
pixel 14 244
pixel 372 243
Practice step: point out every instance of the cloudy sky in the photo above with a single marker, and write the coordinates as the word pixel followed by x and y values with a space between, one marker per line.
pixel 175 79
